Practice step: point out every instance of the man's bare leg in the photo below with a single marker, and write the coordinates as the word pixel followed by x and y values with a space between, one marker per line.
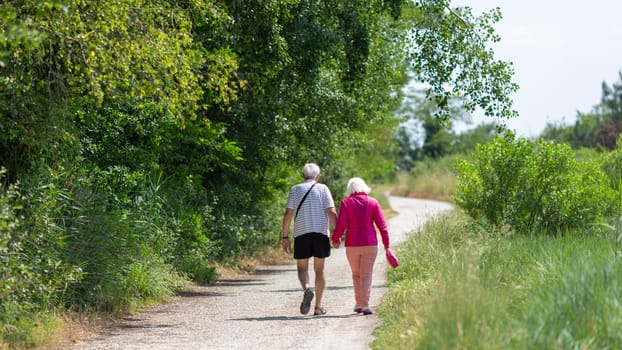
pixel 302 265
pixel 320 280
pixel 303 276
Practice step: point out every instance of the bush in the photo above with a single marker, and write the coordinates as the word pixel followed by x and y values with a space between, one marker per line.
pixel 532 186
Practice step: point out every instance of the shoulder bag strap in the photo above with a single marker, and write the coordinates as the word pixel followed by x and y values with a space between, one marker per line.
pixel 303 199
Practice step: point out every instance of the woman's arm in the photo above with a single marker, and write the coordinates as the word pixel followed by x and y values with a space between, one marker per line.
pixel 381 224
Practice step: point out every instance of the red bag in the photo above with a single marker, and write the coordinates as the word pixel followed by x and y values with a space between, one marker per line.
pixel 392 258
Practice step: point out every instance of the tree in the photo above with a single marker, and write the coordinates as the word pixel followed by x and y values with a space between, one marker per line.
pixel 437 141
pixel 450 54
pixel 408 149
pixel 467 141
pixel 611 103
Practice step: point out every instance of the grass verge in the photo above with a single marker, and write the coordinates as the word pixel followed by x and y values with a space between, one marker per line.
pixel 462 287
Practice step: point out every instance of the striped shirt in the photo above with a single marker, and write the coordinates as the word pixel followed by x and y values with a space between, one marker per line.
pixel 312 216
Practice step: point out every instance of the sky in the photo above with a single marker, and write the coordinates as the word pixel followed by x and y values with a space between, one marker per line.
pixel 562 52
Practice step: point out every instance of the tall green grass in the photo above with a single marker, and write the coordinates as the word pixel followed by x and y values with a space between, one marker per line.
pixel 461 286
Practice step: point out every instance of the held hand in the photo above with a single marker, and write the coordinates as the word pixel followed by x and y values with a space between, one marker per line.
pixel 336 245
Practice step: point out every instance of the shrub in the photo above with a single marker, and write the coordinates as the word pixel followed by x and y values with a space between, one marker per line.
pixel 532 186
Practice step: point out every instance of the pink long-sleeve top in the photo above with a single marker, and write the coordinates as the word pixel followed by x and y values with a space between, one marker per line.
pixel 357 215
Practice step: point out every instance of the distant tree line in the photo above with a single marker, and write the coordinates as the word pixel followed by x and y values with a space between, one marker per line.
pixel 598 128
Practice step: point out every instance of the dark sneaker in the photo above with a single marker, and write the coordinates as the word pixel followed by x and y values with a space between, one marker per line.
pixel 305 306
pixel 366 310
pixel 358 309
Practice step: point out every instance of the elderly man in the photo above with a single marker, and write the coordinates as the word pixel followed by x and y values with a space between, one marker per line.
pixel 312 206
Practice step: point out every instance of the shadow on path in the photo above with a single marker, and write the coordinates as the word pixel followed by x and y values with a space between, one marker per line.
pixel 293 318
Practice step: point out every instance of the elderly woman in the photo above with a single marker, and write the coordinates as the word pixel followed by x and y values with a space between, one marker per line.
pixel 358 213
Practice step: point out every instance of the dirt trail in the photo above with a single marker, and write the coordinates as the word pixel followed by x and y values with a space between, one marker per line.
pixel 260 311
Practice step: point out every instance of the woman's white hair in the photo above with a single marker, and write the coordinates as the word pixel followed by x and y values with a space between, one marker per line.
pixel 356 184
pixel 310 171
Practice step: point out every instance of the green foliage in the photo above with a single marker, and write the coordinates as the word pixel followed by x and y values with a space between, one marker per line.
pixel 437 141
pixel 421 135
pixel 194 264
pixel 449 52
pixel 466 142
pixel 135 61
pixel 580 135
pixel 532 186
pixel 140 282
pixel 15 33
pixel 611 104
pixel 459 286
pixel 35 271
pixel 14 274
pixel 127 229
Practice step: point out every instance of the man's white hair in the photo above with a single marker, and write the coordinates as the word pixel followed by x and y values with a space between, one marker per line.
pixel 310 170
pixel 356 184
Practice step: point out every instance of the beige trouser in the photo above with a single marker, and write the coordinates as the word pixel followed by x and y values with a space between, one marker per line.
pixel 362 261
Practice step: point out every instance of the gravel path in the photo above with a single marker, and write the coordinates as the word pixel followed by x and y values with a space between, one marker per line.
pixel 260 311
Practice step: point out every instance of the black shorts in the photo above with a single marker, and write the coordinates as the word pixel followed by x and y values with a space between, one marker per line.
pixel 311 244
